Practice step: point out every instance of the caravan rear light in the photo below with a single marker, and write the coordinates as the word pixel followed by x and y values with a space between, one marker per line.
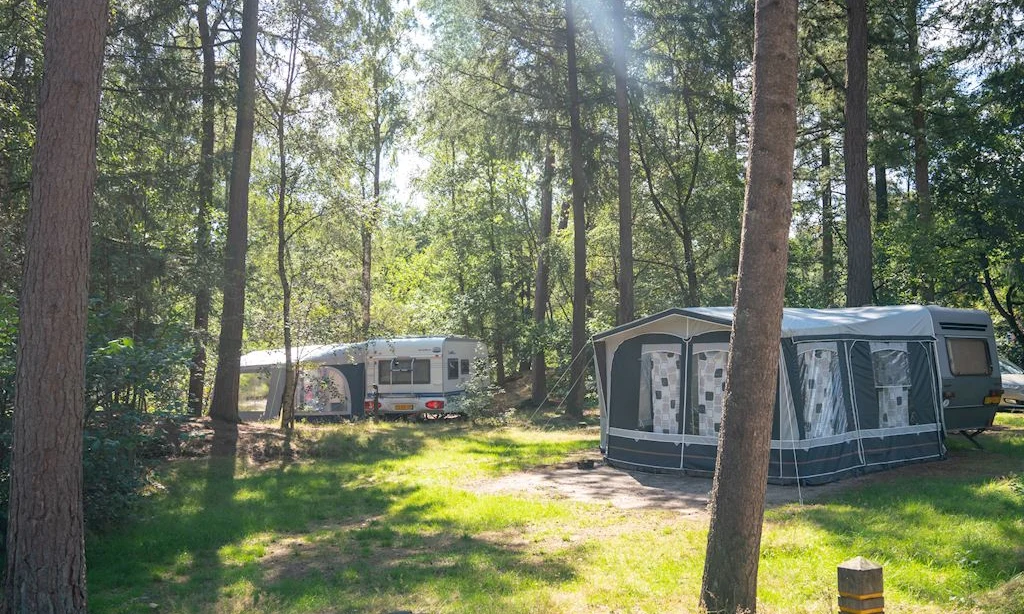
pixel 435 404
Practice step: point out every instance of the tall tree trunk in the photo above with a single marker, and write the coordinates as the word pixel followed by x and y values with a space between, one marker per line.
pixel 224 405
pixel 45 536
pixel 626 305
pixel 921 184
pixel 287 417
pixel 574 404
pixel 859 285
pixel 741 469
pixel 201 322
pixel 366 236
pixel 498 279
pixel 539 388
pixel 370 224
pixel 881 193
pixel 735 226
pixel 828 281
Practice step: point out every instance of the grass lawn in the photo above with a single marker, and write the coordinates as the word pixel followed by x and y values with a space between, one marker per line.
pixel 384 518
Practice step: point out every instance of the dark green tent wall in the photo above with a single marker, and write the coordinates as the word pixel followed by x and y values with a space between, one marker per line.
pixel 859 390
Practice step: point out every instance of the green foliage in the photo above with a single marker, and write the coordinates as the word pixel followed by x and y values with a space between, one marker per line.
pixel 123 373
pixel 118 453
pixel 477 402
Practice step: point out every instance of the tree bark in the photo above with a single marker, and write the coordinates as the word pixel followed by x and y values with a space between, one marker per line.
pixel 881 193
pixel 741 469
pixel 921 184
pixel 539 387
pixel 224 405
pixel 45 536
pixel 859 285
pixel 201 322
pixel 828 280
pixel 287 417
pixel 625 170
pixel 574 401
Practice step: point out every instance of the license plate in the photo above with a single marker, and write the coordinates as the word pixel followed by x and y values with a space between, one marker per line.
pixel 992 400
pixel 403 406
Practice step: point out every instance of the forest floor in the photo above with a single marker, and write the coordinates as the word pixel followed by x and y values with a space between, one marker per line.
pixel 452 516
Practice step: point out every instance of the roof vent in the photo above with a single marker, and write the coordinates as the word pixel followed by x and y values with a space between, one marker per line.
pixel 981 328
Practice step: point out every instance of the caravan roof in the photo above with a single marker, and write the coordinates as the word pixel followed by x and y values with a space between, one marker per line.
pixel 410 346
pixel 897 321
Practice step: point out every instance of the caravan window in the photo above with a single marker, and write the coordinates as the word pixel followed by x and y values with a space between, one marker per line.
pixel 464 366
pixel 403 371
pixel 421 371
pixel 968 356
pixel 453 368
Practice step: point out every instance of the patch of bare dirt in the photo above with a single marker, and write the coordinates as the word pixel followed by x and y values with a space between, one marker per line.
pixel 689 495
pixel 258 441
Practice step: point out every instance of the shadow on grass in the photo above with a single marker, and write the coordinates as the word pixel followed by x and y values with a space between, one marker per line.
pixel 206 532
pixel 513 455
pixel 414 558
pixel 960 521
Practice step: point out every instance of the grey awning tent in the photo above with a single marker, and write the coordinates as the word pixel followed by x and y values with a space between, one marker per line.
pixel 858 389
pixel 334 378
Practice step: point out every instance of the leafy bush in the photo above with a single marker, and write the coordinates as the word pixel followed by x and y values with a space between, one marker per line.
pixel 117 448
pixel 124 380
pixel 477 402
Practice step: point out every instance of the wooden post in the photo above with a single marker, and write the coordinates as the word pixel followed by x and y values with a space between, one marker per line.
pixel 860 587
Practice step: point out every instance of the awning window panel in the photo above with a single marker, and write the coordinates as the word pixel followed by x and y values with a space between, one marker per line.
pixel 824 410
pixel 891 365
pixel 708 389
pixel 660 389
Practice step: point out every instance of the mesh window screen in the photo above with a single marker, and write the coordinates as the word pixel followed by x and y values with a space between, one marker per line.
pixel 665 393
pixel 891 365
pixel 708 390
pixel 824 409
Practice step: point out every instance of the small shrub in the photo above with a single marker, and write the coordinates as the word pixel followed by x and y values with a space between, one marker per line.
pixel 477 402
pixel 117 448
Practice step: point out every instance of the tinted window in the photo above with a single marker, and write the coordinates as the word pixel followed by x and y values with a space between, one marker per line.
pixel 421 371
pixel 465 366
pixel 453 368
pixel 968 356
pixel 401 371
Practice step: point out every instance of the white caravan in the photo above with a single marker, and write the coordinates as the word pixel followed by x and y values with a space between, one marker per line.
pixel 418 375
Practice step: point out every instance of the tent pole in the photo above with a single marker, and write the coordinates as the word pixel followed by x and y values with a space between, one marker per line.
pixel 790 417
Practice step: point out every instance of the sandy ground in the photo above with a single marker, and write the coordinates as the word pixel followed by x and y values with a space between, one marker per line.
pixel 687 495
